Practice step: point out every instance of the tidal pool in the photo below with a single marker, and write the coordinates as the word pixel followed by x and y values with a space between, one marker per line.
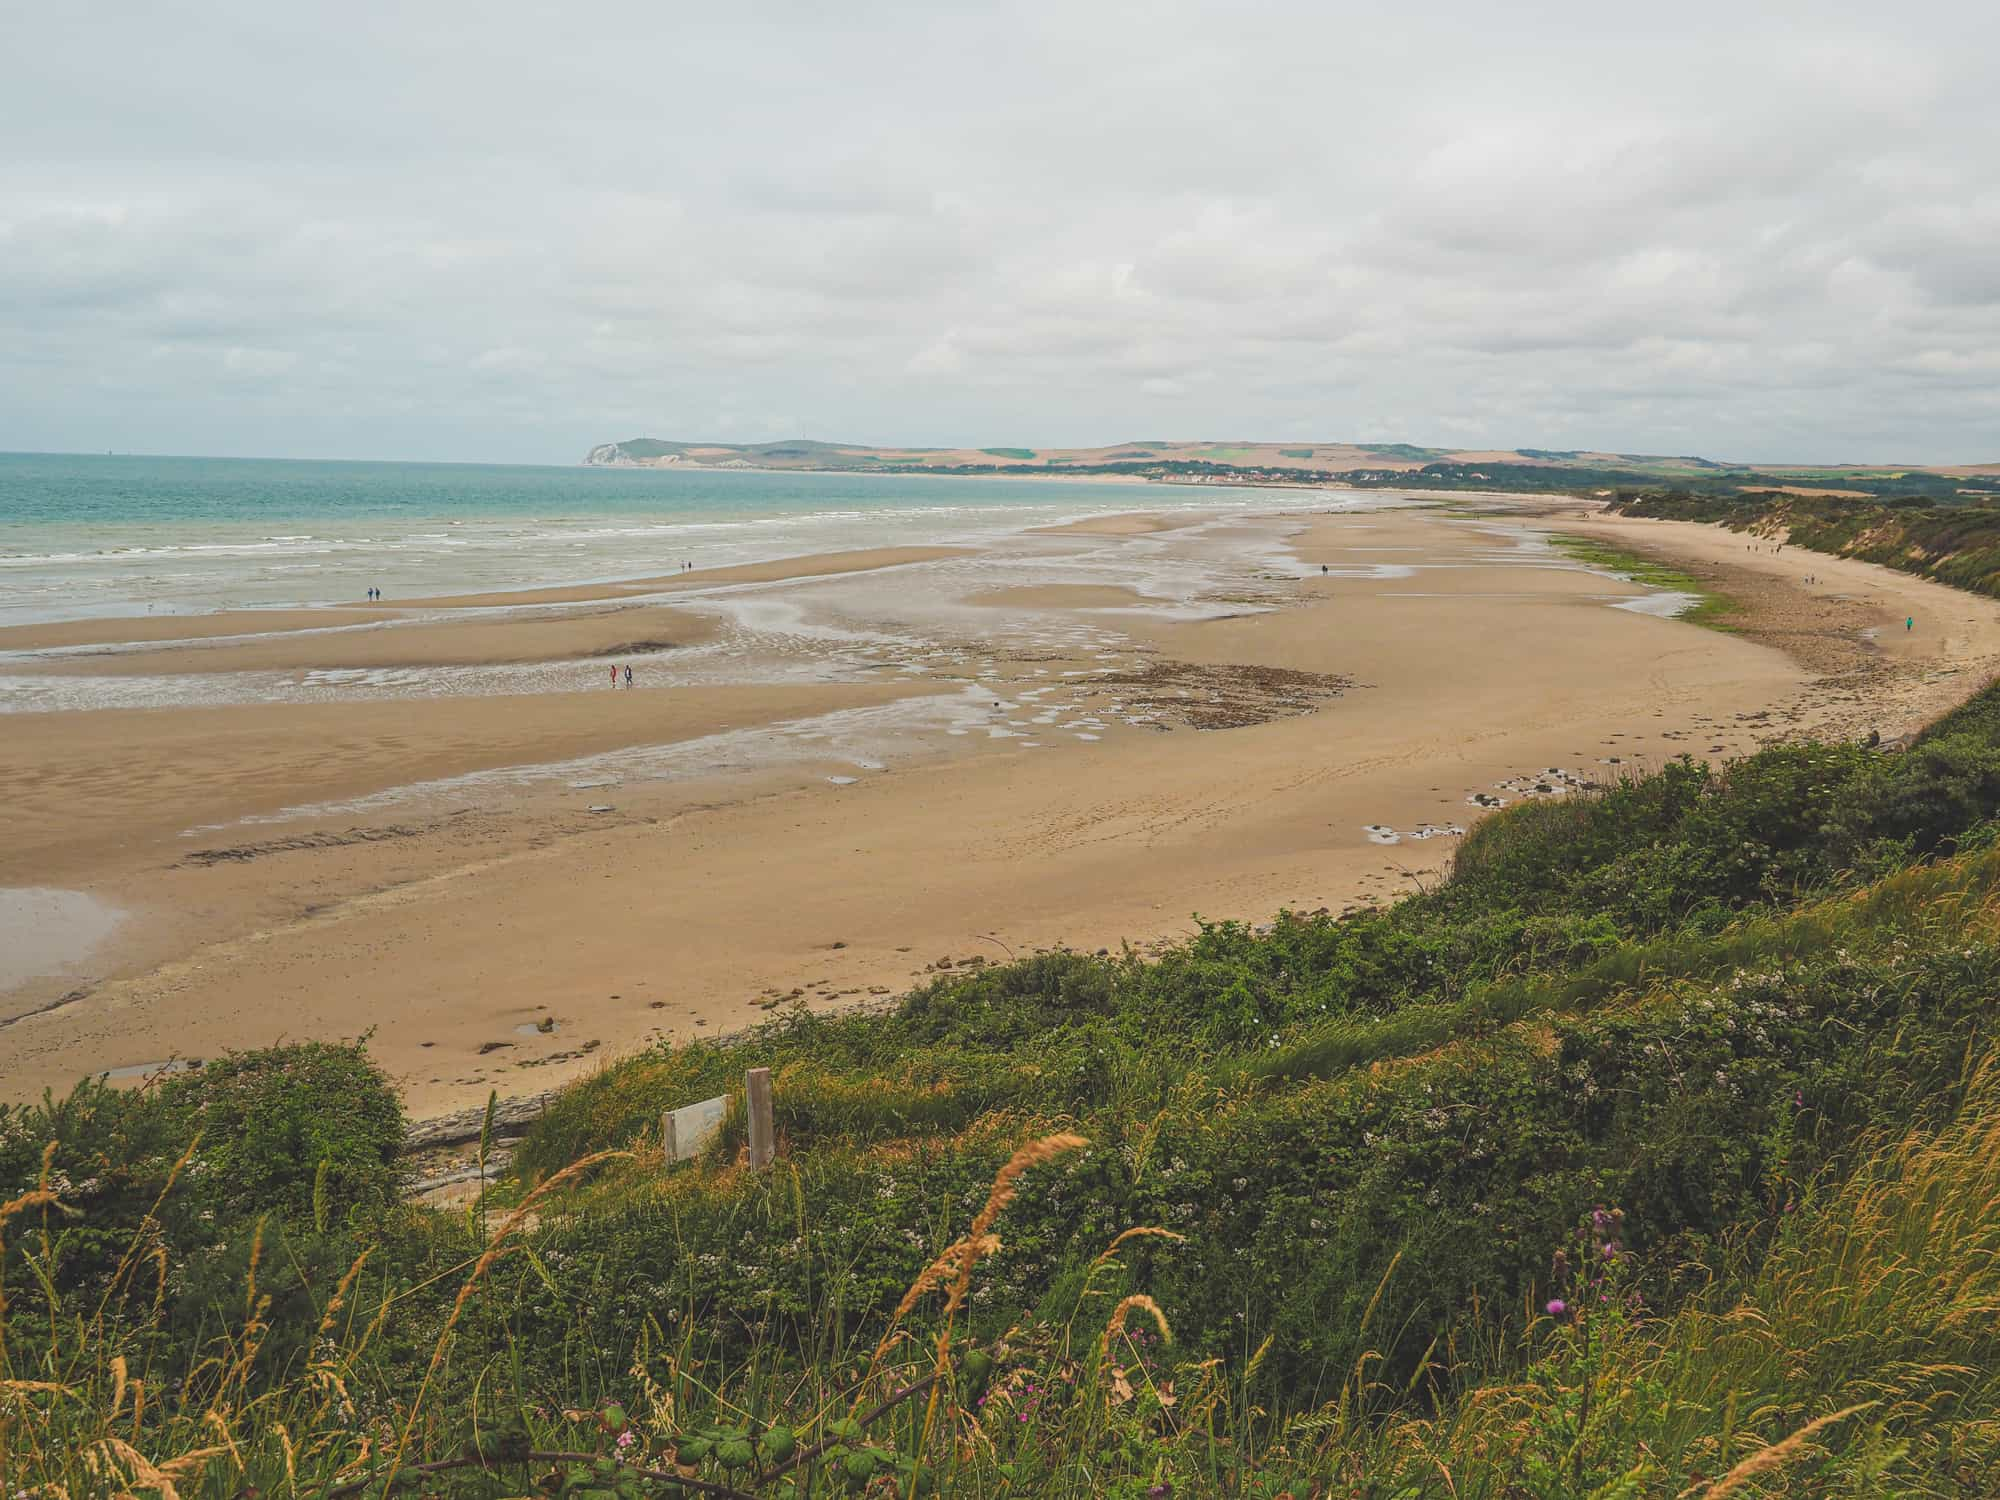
pixel 46 931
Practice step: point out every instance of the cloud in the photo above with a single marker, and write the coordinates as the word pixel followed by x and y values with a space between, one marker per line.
pixel 509 231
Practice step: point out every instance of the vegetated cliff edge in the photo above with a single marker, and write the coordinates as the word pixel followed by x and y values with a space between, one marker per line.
pixel 1954 539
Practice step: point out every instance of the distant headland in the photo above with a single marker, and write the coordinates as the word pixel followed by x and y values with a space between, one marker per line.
pixel 1354 465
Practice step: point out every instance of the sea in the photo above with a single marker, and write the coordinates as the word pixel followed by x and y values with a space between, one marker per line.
pixel 85 536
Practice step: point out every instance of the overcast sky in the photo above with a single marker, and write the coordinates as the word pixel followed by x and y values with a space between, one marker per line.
pixel 508 231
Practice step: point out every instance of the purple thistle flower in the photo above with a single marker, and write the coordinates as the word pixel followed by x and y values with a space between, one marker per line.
pixel 1557 1307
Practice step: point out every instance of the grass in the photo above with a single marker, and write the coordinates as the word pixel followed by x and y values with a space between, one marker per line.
pixel 1858 1355
pixel 1858 1358
pixel 1710 609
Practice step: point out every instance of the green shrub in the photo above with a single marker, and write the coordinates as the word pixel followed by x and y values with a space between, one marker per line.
pixel 311 1131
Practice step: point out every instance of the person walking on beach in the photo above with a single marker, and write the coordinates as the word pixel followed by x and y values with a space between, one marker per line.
pixel 614 676
pixel 1910 623
pixel 628 674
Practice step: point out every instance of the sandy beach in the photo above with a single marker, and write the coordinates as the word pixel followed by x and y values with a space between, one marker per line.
pixel 836 775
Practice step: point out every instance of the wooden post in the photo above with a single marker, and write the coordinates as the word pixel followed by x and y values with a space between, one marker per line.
pixel 757 1098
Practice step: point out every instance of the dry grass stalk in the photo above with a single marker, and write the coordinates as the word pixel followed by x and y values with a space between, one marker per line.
pixel 929 1279
pixel 285 1446
pixel 933 1275
pixel 340 1292
pixel 1006 1183
pixel 136 1251
pixel 494 1250
pixel 33 1198
pixel 1139 1231
pixel 1137 1302
pixel 1779 1453
pixel 218 1418
pixel 189 1463
pixel 108 1453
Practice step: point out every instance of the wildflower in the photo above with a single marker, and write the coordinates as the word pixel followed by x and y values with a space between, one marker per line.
pixel 1557 1307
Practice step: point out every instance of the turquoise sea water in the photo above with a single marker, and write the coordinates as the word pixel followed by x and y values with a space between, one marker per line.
pixel 86 535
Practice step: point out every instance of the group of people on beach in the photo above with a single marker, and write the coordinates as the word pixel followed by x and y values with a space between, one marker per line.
pixel 374 595
pixel 614 675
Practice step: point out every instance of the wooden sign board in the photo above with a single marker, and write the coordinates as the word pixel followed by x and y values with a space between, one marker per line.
pixel 690 1130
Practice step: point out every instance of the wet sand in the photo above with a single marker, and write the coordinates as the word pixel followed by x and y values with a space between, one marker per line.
pixel 172 627
pixel 1061 596
pixel 826 564
pixel 1070 766
pixel 1118 525
pixel 84 786
pixel 609 630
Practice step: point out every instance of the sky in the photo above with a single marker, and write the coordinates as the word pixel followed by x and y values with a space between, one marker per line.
pixel 508 231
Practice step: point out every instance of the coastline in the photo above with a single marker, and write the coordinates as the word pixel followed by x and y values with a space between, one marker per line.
pixel 1439 658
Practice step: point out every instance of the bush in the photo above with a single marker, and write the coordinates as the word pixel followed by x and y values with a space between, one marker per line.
pixel 311 1131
